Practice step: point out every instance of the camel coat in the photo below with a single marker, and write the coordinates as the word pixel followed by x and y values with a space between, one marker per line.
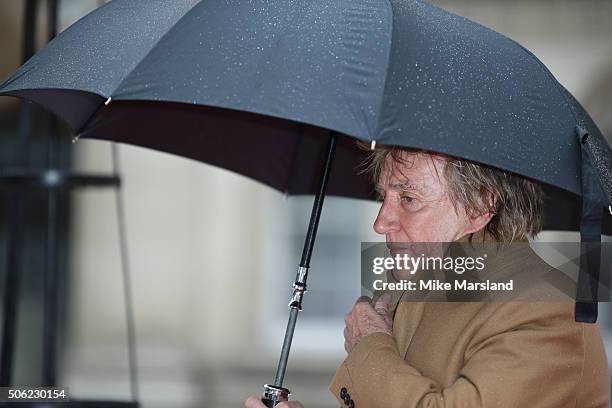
pixel 477 354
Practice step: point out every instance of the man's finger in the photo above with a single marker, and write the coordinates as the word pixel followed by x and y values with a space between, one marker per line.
pixel 364 299
pixel 385 297
pixel 254 401
pixel 365 315
pixel 348 319
pixel 290 404
pixel 382 304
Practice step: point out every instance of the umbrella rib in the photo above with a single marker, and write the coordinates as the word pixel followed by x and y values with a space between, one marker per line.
pixel 385 81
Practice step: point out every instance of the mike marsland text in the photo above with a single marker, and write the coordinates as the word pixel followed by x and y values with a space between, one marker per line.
pixel 438 285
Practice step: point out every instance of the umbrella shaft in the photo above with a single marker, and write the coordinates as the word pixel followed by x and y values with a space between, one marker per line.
pixel 284 357
pixel 299 285
pixel 317 205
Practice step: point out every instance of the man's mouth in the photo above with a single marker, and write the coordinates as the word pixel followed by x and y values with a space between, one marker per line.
pixel 398 246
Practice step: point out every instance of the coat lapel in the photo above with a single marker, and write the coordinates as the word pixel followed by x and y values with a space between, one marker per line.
pixel 407 318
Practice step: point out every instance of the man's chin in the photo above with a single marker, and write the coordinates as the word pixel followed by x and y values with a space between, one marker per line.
pixel 403 275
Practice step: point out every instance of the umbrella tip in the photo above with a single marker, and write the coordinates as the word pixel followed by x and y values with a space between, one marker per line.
pixel 582 133
pixel 76 138
pixel 108 101
pixel 372 144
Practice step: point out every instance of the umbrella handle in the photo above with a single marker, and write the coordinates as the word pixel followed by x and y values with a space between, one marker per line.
pixel 272 395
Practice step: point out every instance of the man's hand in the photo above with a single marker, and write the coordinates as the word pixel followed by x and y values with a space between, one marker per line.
pixel 365 319
pixel 254 401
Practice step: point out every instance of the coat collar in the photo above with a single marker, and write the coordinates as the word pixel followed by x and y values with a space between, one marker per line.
pixel 407 314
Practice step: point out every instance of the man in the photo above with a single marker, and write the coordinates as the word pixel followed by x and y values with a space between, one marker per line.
pixel 420 354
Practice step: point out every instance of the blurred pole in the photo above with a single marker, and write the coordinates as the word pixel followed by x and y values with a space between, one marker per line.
pixel 16 211
pixel 127 281
pixel 49 366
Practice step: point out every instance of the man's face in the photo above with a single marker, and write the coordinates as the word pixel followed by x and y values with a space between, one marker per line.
pixel 415 203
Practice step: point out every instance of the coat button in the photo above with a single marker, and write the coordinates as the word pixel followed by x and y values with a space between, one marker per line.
pixel 343 393
pixel 351 404
pixel 347 398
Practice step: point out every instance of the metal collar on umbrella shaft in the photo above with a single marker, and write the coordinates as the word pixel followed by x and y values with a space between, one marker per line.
pixel 273 394
pixel 299 288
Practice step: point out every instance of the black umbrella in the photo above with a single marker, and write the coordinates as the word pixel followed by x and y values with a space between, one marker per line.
pixel 257 87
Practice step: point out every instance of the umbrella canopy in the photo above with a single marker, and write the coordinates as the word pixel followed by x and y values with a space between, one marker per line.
pixel 252 87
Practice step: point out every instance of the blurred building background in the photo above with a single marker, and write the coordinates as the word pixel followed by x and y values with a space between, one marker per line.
pixel 213 253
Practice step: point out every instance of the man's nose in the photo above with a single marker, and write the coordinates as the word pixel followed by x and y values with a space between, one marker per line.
pixel 387 219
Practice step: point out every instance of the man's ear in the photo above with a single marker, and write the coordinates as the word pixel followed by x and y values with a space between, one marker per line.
pixel 480 221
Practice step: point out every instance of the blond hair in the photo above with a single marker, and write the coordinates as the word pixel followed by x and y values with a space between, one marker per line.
pixel 516 202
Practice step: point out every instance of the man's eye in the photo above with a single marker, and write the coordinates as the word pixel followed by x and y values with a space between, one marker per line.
pixel 407 199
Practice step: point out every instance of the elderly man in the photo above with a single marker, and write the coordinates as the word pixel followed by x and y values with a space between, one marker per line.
pixel 419 354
